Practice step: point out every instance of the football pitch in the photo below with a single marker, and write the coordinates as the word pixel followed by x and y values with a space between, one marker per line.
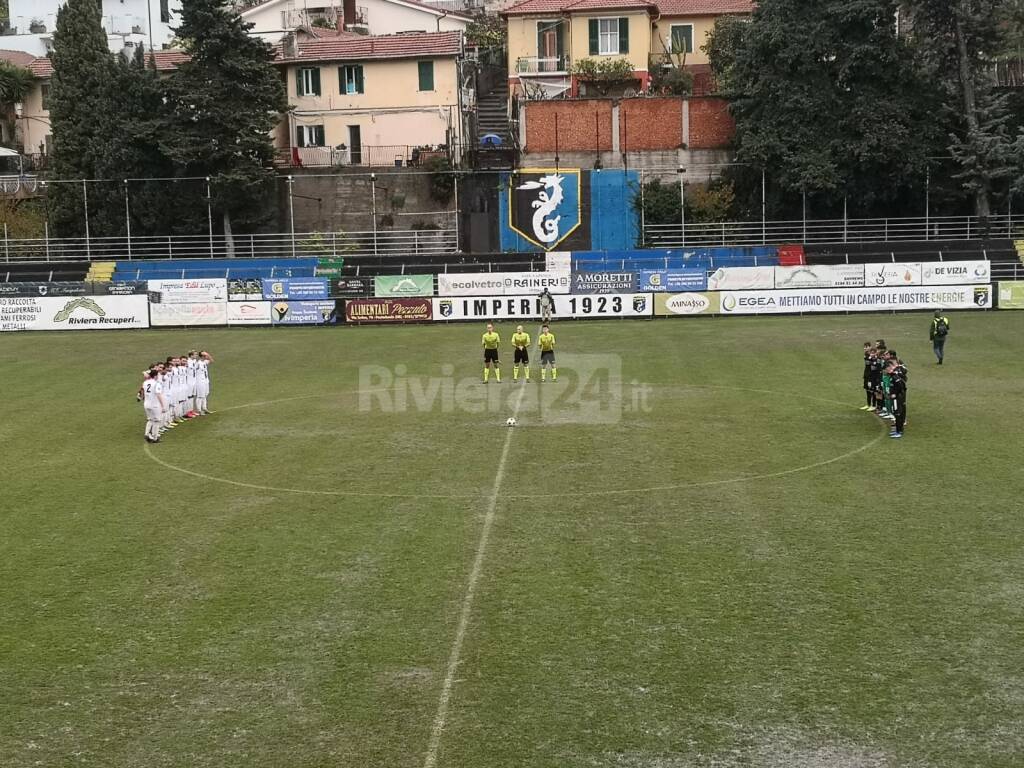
pixel 692 550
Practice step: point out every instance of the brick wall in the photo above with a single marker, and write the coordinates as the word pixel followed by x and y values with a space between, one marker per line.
pixel 711 125
pixel 654 124
pixel 650 124
pixel 578 127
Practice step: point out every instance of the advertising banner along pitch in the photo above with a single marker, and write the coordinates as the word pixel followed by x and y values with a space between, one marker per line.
pixel 742 279
pixel 295 288
pixel 673 280
pixel 666 304
pixel 892 274
pixel 397 286
pixel 856 299
pixel 196 313
pixel 248 312
pixel 956 272
pixel 245 290
pixel 388 310
pixel 303 313
pixel 604 282
pixel 87 313
pixel 187 291
pixel 1011 295
pixel 820 276
pixel 502 283
pixel 575 306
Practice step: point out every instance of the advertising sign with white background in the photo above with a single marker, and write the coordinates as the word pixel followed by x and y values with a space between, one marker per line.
pixel 892 274
pixel 575 306
pixel 502 283
pixel 820 276
pixel 72 313
pixel 187 291
pixel 742 279
pixel 856 299
pixel 249 312
pixel 956 272
pixel 197 313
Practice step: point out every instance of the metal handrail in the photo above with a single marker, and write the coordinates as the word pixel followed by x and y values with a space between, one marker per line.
pixel 333 245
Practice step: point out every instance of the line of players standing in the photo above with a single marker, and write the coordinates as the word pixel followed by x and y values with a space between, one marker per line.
pixel 885 385
pixel 174 392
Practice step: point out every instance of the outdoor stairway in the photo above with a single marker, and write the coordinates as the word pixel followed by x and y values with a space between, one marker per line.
pixel 101 271
pixel 492 114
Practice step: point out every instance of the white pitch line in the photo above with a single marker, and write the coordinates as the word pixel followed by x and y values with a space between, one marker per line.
pixel 430 760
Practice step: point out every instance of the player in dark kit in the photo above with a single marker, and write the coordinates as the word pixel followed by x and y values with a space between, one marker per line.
pixel 898 396
pixel 869 353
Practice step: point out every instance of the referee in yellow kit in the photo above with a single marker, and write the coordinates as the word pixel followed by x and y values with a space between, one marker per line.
pixel 546 342
pixel 491 340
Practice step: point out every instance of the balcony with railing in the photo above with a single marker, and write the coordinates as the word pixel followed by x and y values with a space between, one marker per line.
pixel 387 156
pixel 542 65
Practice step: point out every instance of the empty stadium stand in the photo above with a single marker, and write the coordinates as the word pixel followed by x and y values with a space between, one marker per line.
pixel 43 271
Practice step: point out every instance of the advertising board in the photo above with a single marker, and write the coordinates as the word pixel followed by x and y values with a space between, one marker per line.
pixel 303 312
pixel 196 313
pixel 742 279
pixel 46 313
pixel 388 310
pixel 690 303
pixel 1011 294
pixel 502 283
pixel 672 280
pixel 245 290
pixel 295 288
pixel 187 291
pixel 956 272
pixel 604 282
pixel 397 286
pixel 248 312
pixel 820 276
pixel 856 299
pixel 892 274
pixel 575 306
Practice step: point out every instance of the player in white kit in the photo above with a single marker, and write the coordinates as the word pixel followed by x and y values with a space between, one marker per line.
pixel 154 403
pixel 203 382
pixel 191 363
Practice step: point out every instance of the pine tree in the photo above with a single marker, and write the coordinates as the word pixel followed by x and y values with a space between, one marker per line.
pixel 225 100
pixel 79 106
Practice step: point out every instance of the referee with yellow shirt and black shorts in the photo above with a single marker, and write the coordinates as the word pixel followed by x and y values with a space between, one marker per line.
pixel 491 340
pixel 546 342
pixel 521 344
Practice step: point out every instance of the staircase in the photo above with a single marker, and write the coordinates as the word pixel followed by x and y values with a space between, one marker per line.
pixel 492 114
pixel 100 271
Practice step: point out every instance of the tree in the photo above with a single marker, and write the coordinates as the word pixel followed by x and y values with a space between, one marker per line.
pixel 15 83
pixel 80 109
pixel 827 99
pixel 956 38
pixel 224 103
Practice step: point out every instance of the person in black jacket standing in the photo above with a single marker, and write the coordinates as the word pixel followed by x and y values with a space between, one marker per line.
pixel 898 396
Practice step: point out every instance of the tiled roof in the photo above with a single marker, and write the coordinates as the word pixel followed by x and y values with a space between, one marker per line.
pixel 165 61
pixel 418 45
pixel 665 7
pixel 18 58
pixel 530 7
pixel 704 7
pixel 425 6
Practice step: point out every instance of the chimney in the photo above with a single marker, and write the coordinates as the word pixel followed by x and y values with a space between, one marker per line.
pixel 288 45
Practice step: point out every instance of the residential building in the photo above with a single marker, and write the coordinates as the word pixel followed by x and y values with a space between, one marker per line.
pixel 128 24
pixel 370 100
pixel 547 37
pixel 33 132
pixel 273 19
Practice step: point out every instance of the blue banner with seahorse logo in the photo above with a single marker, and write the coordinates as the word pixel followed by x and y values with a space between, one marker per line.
pixel 568 209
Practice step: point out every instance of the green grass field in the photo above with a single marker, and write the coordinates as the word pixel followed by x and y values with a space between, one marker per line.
pixel 742 570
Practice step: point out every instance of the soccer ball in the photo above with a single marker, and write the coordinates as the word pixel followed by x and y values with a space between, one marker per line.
pixel 510 422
